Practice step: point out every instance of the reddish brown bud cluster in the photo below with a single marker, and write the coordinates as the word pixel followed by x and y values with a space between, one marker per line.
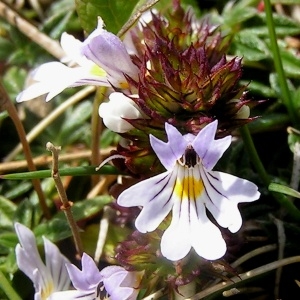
pixel 186 80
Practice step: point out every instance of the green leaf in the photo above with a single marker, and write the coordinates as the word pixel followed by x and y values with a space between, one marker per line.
pixel 14 81
pixel 58 228
pixel 7 211
pixel 25 213
pixel 72 127
pixel 286 2
pixel 114 13
pixel 86 208
pixel 259 88
pixel 290 63
pixel 269 122
pixel 236 14
pixel 108 138
pixel 55 230
pixel 19 190
pixel 296 100
pixel 116 235
pixel 293 138
pixel 89 238
pixel 284 26
pixel 6 48
pixel 61 17
pixel 250 46
pixel 76 171
pixel 274 82
pixel 8 239
pixel 279 188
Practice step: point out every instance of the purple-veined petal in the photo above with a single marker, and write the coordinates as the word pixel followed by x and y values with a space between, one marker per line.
pixel 157 201
pixel 28 257
pixel 86 279
pixel 118 108
pixel 215 152
pixel 223 193
pixel 168 153
pixel 206 237
pixel 190 226
pixel 56 264
pixel 209 149
pixel 119 283
pixel 46 278
pixel 107 51
pixel 178 233
pixel 176 241
pixel 189 188
pixel 53 77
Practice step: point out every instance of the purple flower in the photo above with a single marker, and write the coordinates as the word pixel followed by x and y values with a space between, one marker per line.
pixel 48 278
pixel 101 60
pixel 113 282
pixel 189 187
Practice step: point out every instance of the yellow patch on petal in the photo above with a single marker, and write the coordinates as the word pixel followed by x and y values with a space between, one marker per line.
pixel 188 188
pixel 97 71
pixel 124 85
pixel 47 290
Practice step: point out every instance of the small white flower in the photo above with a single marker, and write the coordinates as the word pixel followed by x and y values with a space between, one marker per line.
pixel 102 60
pixel 189 187
pixel 117 110
pixel 48 278
pixel 112 282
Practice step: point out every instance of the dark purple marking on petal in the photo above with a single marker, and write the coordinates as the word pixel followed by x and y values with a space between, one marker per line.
pixel 213 187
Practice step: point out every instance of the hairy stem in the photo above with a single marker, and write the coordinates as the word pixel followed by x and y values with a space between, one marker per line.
pixel 66 204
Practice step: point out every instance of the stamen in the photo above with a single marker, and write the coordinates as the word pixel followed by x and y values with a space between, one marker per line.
pixel 101 292
pixel 190 156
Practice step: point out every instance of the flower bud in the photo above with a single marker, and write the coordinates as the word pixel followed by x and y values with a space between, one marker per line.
pixel 117 110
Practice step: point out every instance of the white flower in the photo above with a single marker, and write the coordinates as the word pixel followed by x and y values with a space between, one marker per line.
pixel 112 282
pixel 189 187
pixel 48 278
pixel 102 59
pixel 117 110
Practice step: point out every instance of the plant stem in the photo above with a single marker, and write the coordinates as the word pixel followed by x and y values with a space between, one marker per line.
pixel 32 32
pixel 66 204
pixel 49 119
pixel 6 104
pixel 44 160
pixel 8 289
pixel 241 278
pixel 96 130
pixel 286 96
